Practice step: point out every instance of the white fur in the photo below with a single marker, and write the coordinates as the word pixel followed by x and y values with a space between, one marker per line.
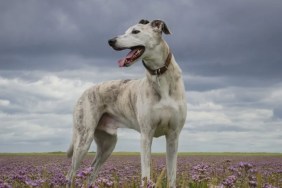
pixel 153 106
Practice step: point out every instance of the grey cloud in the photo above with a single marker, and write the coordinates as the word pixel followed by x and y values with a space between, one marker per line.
pixel 277 113
pixel 37 132
pixel 238 38
pixel 223 38
pixel 44 27
pixel 218 128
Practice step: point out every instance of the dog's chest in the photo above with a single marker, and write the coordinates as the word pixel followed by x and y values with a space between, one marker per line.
pixel 165 116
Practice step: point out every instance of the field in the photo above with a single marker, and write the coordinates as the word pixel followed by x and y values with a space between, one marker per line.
pixel 195 170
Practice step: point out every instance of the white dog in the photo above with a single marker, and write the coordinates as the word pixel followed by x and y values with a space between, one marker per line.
pixel 154 106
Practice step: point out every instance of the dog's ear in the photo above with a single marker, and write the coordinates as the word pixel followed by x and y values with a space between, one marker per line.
pixel 143 21
pixel 160 26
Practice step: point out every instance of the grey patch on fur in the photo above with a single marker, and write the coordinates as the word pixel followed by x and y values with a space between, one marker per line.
pixel 125 81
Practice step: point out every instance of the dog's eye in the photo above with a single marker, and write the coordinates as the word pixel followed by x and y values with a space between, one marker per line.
pixel 135 31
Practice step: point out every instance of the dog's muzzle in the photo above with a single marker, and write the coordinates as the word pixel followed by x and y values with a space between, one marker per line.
pixel 112 42
pixel 134 54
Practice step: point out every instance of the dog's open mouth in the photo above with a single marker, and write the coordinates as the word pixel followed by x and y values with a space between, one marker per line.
pixel 135 53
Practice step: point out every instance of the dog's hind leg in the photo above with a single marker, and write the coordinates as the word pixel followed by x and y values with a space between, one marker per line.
pixel 105 145
pixel 85 123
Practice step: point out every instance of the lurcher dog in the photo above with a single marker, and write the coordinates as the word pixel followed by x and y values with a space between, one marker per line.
pixel 154 106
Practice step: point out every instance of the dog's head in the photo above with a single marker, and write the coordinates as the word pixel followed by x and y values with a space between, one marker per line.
pixel 140 38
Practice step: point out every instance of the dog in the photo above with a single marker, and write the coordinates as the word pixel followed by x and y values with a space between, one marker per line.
pixel 154 106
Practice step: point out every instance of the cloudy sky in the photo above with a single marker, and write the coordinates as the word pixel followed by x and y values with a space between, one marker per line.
pixel 230 53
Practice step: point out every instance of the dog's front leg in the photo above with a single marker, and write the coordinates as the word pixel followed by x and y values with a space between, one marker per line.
pixel 146 143
pixel 171 157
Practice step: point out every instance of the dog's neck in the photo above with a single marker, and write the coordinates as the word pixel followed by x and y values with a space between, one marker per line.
pixel 153 61
pixel 166 83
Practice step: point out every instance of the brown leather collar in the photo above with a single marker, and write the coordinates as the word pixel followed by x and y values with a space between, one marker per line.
pixel 160 70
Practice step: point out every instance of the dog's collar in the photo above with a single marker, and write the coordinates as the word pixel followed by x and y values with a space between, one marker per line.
pixel 160 70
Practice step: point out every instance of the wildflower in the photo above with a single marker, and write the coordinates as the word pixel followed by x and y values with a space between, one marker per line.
pixel 234 170
pixel 200 173
pixel 268 186
pixel 195 177
pixel 252 183
pixel 150 184
pixel 5 185
pixel 34 183
pixel 105 182
pixel 245 165
pixel 253 171
pixel 84 172
pixel 230 181
pixel 93 186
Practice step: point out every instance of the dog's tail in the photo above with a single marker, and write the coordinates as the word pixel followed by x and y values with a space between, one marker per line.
pixel 70 151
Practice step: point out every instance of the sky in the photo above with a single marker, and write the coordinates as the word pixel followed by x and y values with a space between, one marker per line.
pixel 229 52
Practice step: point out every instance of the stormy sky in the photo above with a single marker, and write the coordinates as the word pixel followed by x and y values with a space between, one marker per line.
pixel 230 53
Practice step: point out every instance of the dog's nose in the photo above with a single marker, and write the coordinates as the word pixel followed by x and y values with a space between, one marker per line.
pixel 112 41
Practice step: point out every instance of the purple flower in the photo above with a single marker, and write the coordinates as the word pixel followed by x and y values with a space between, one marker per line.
pixel 93 186
pixel 5 185
pixel 268 186
pixel 150 184
pixel 34 183
pixel 104 182
pixel 124 171
pixel 245 165
pixel 201 172
pixel 230 181
pixel 85 172
pixel 252 183
pixel 252 180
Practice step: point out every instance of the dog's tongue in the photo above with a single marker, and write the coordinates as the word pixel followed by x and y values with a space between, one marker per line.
pixel 124 61
pixel 121 62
